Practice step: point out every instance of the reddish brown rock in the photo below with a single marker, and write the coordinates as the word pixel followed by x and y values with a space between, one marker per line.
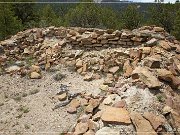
pixel 169 77
pixel 143 127
pixel 120 104
pixel 127 68
pixel 116 115
pixel 152 62
pixel 114 69
pixel 146 76
pixel 156 121
pixel 81 128
pixel 164 45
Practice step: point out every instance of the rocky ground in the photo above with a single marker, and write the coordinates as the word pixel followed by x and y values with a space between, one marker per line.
pixel 90 81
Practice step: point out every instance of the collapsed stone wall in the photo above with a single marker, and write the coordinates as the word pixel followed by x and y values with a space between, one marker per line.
pixel 49 46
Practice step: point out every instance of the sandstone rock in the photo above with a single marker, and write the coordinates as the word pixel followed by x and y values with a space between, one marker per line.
pixel 152 42
pixel 26 51
pixel 167 109
pixel 89 108
pixel 146 76
pixel 169 77
pixel 152 62
pixel 35 75
pixel 108 101
pixel 81 128
pixel 62 97
pixel 146 50
pixel 79 63
pixel 116 115
pixel 72 110
pixel 158 29
pixel 114 69
pixel 74 103
pixel 143 127
pixel 120 104
pixel 127 68
pixel 155 121
pixel 35 68
pixel 94 102
pixel 97 116
pixel 104 87
pixel 164 45
pixel 13 69
pixel 88 78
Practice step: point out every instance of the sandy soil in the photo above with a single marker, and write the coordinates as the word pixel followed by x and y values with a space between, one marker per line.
pixel 26 105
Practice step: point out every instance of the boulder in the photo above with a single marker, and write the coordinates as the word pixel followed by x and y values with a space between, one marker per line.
pixel 167 76
pixel 146 77
pixel 152 62
pixel 143 127
pixel 156 121
pixel 115 115
pixel 164 45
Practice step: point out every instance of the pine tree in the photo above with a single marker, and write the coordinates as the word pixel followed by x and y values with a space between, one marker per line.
pixel 163 15
pixel 131 17
pixel 9 23
pixel 26 12
pixel 176 31
pixel 48 17
pixel 84 15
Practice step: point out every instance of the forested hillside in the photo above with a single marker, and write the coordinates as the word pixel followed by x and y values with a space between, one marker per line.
pixel 15 17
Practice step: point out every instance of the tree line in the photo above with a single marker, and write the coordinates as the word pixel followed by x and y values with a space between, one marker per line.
pixel 15 17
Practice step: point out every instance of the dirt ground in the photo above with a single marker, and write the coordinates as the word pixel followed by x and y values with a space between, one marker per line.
pixel 26 105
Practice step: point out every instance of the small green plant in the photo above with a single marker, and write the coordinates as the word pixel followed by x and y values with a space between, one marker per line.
pixel 32 92
pixel 160 98
pixel 27 126
pixel 17 98
pixel 24 95
pixel 1 104
pixel 19 116
pixel 24 109
pixel 59 76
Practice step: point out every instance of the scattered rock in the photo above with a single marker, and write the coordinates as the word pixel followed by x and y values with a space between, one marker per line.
pixel 146 76
pixel 156 121
pixel 164 45
pixel 169 77
pixel 35 75
pixel 116 115
pixel 62 97
pixel 104 87
pixel 120 104
pixel 152 62
pixel 81 128
pixel 114 69
pixel 13 69
pixel 72 110
pixel 142 125
pixel 74 103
